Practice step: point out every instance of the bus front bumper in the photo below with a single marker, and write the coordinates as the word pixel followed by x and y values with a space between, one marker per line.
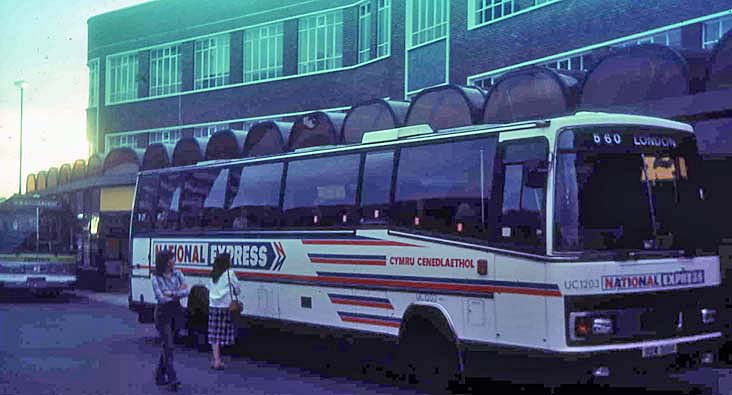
pixel 617 368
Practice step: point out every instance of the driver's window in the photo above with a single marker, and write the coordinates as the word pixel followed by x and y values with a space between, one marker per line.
pixel 522 205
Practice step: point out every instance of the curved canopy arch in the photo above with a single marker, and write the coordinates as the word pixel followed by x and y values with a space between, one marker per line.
pixel 52 178
pixel 122 160
pixel 314 129
pixel 446 106
pixel 267 138
pixel 635 74
pixel 530 94
pixel 719 69
pixel 64 174
pixel 157 156
pixel 372 115
pixel 30 183
pixel 189 150
pixel 41 180
pixel 78 169
pixel 94 165
pixel 225 144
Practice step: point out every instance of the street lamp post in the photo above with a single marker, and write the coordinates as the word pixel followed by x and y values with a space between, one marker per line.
pixel 21 84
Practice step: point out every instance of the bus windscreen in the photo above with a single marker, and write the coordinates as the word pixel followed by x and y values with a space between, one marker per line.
pixel 625 190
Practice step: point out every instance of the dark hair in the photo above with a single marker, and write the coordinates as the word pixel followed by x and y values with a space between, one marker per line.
pixel 221 263
pixel 161 261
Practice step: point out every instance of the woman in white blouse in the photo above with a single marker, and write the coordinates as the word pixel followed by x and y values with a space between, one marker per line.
pixel 221 330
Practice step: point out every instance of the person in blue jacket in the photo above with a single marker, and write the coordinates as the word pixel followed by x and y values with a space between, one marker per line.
pixel 169 286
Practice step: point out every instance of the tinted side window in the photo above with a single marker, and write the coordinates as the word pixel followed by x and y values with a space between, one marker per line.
pixel 322 191
pixel 169 197
pixel 447 188
pixel 522 208
pixel 145 203
pixel 195 189
pixel 376 187
pixel 257 200
pixel 215 205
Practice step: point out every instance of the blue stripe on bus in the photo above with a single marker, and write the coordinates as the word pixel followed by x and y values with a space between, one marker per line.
pixel 342 256
pixel 515 284
pixel 369 316
pixel 365 298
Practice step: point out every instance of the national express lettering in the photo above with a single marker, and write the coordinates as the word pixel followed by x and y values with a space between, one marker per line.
pixel 256 255
pixel 652 280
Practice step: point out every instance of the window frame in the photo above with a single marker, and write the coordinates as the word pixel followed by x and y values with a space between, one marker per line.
pixel 93 67
pixel 309 31
pixel 255 61
pixel 166 74
pixel 122 72
pixel 214 50
pixel 476 7
pixel 365 16
pixel 383 28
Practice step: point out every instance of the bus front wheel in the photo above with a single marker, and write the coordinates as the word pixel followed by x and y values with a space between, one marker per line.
pixel 427 358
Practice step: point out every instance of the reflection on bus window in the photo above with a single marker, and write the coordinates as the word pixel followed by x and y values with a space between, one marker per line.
pixel 322 191
pixel 447 188
pixel 376 187
pixel 168 209
pixel 257 200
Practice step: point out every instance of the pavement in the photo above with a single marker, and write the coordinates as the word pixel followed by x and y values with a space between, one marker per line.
pixel 114 298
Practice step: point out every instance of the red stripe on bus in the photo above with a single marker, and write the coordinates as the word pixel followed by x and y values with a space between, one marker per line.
pixel 371 321
pixel 488 289
pixel 341 261
pixel 365 303
pixel 358 242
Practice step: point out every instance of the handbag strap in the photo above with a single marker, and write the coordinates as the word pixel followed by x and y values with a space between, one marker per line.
pixel 231 286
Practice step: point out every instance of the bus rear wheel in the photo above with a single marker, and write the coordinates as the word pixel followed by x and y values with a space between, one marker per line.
pixel 428 359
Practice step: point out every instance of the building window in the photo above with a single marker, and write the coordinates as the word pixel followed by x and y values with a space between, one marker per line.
pixel 364 32
pixel 209 130
pixel 165 71
pixel 671 38
pixel 383 28
pixel 484 11
pixel 429 21
pixel 168 136
pixel 211 62
pixel 263 52
pixel 714 30
pixel 122 78
pixel 93 83
pixel 320 42
pixel 129 140
pixel 576 62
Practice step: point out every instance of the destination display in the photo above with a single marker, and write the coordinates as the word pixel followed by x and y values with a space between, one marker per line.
pixel 621 140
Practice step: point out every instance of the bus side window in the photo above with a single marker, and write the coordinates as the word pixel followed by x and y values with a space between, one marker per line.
pixel 145 203
pixel 376 187
pixel 257 200
pixel 447 188
pixel 322 191
pixel 213 215
pixel 169 197
pixel 522 207
pixel 196 188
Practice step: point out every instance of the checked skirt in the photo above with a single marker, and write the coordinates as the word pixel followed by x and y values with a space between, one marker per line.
pixel 220 328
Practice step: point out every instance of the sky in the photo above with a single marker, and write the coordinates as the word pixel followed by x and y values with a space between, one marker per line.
pixel 45 43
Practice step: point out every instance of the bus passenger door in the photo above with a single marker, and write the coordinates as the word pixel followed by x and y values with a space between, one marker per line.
pixel 521 305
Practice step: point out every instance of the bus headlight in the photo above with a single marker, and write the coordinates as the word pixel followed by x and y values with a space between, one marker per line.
pixel 590 324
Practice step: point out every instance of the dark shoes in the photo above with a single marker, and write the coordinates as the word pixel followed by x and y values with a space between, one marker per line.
pixel 175 386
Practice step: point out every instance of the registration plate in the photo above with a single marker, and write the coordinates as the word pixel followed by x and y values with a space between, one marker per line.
pixel 657 351
pixel 35 282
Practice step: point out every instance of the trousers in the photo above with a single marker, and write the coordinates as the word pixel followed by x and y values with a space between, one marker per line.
pixel 165 317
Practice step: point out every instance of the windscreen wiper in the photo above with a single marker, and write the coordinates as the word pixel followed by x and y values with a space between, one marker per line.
pixel 651 206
